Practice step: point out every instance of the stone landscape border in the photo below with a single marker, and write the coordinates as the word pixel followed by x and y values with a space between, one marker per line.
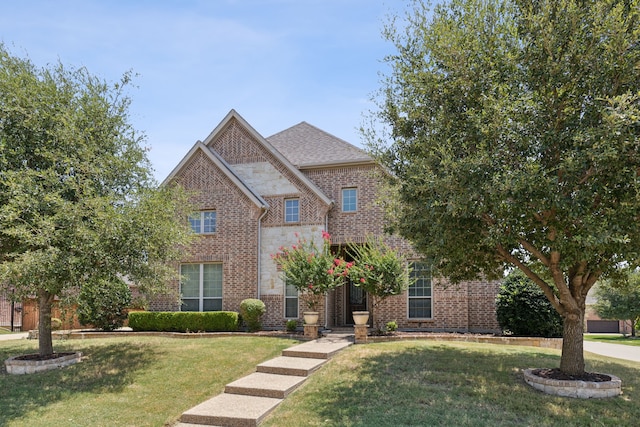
pixel 15 366
pixel 573 388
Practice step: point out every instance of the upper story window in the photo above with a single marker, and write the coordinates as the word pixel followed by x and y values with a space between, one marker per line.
pixel 420 292
pixel 292 210
pixel 203 222
pixel 349 199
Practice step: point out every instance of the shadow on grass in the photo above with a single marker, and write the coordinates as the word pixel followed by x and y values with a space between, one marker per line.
pixel 104 368
pixel 444 385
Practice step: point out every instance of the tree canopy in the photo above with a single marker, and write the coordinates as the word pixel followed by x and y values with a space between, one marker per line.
pixel 78 204
pixel 514 129
pixel 619 299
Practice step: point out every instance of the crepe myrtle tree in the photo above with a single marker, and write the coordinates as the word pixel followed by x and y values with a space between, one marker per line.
pixel 510 129
pixel 380 270
pixel 78 205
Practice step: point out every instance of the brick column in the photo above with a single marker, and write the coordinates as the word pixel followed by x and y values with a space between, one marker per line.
pixel 361 333
pixel 311 331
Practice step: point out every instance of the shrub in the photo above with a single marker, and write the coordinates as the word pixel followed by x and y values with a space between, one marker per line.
pixel 292 325
pixel 56 324
pixel 103 304
pixel 523 309
pixel 392 326
pixel 184 321
pixel 251 310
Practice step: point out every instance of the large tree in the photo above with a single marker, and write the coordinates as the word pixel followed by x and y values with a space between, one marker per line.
pixel 620 299
pixel 78 204
pixel 514 129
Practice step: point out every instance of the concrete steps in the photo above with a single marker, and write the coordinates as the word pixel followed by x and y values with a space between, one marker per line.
pixel 285 365
pixel 247 401
pixel 265 385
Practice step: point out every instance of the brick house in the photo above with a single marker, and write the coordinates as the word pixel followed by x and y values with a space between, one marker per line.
pixel 254 194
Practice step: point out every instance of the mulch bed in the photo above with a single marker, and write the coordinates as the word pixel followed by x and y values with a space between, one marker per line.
pixel 37 357
pixel 557 374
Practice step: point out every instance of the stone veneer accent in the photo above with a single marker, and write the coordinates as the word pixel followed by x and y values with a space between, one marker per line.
pixel 576 389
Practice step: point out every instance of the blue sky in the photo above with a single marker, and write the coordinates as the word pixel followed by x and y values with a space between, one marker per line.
pixel 276 62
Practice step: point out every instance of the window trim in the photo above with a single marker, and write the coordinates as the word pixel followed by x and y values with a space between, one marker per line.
pixel 201 298
pixel 202 221
pixel 292 199
pixel 355 209
pixel 430 297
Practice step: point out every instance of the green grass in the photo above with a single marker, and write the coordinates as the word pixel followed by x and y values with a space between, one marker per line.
pixel 133 381
pixel 431 383
pixel 614 339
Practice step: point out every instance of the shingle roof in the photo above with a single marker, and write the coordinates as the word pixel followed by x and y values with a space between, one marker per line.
pixel 305 145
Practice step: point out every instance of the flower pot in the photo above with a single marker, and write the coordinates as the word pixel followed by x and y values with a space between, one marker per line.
pixel 311 317
pixel 360 317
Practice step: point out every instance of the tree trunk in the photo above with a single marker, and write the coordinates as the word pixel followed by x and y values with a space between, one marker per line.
pixel 572 360
pixel 45 341
pixel 633 327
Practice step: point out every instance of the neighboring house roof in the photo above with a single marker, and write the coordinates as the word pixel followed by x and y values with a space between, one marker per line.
pixel 224 167
pixel 307 147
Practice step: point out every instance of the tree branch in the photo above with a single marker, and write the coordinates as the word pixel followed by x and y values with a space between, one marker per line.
pixel 534 251
pixel 548 291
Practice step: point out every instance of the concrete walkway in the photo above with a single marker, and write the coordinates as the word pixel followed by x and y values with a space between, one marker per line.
pixel 618 351
pixel 16 336
pixel 247 401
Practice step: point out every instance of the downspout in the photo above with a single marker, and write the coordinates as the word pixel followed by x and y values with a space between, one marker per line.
pixel 326 297
pixel 265 210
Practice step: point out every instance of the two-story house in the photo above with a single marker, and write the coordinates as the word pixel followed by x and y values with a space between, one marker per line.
pixel 255 193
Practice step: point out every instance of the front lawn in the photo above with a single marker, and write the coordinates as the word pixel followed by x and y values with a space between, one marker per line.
pixel 432 383
pixel 613 339
pixel 130 381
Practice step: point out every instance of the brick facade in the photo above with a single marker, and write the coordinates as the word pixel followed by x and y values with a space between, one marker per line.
pixel 248 187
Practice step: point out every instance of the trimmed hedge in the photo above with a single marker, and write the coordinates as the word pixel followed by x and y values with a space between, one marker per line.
pixel 184 321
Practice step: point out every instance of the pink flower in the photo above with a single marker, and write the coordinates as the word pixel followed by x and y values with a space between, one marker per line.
pixel 310 286
pixel 296 234
pixel 325 235
pixel 349 264
pixel 337 261
pixel 362 280
pixel 330 271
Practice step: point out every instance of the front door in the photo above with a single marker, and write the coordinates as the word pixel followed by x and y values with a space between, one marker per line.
pixel 356 301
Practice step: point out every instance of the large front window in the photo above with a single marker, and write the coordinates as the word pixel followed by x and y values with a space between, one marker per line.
pixel 201 287
pixel 420 292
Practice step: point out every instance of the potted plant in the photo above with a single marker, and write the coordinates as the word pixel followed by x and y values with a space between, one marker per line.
pixel 312 270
